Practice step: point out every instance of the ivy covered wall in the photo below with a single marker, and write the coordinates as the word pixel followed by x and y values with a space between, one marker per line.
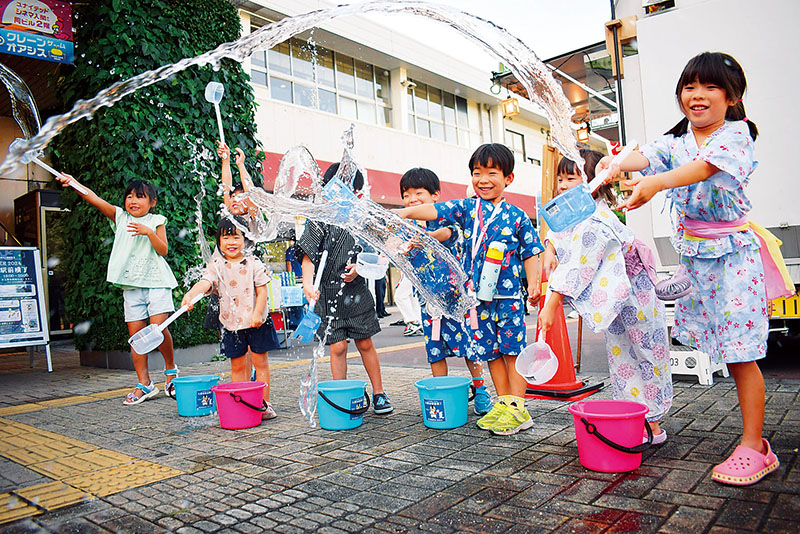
pixel 164 133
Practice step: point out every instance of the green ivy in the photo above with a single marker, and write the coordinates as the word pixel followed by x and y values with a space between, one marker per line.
pixel 164 133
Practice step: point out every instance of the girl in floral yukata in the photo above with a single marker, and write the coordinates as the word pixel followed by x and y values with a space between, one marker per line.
pixel 607 275
pixel 703 163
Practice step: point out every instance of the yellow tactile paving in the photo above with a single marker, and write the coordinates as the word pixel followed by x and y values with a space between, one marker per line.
pixel 67 401
pixel 20 408
pixel 53 495
pixel 102 395
pixel 13 508
pixel 61 468
pixel 123 477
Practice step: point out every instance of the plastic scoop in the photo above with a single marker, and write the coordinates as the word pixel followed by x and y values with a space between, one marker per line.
pixel 310 322
pixel 371 266
pixel 25 159
pixel 575 205
pixel 214 92
pixel 152 335
pixel 537 363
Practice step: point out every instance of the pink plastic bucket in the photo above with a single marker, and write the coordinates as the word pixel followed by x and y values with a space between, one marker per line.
pixel 609 434
pixel 239 404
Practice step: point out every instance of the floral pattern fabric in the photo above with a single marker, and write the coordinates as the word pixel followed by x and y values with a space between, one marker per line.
pixel 595 274
pixel 725 315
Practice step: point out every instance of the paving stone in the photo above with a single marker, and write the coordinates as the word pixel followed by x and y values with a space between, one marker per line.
pixel 742 514
pixel 687 520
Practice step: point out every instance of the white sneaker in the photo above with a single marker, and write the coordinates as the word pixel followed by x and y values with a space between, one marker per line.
pixel 269 412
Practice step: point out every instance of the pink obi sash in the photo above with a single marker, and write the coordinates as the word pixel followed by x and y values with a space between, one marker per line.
pixel 778 282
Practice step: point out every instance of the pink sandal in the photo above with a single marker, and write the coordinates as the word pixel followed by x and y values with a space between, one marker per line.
pixel 746 466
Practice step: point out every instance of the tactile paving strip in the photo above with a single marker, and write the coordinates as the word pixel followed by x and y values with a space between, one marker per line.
pixel 53 495
pixel 61 468
pixel 13 508
pixel 123 477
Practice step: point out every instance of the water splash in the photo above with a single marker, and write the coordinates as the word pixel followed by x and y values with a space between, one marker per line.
pixel 512 52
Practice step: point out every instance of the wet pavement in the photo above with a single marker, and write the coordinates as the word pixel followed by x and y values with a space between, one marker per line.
pixel 73 459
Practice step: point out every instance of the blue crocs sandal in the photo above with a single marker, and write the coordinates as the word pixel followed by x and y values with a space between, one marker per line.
pixel 148 391
pixel 169 388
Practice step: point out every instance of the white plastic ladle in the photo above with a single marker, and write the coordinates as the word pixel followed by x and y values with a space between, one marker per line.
pixel 151 336
pixel 214 92
pixel 537 363
pixel 25 159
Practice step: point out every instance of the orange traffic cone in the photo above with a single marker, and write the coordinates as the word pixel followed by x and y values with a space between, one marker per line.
pixel 564 385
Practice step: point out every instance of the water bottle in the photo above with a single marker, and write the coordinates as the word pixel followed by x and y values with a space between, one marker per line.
pixel 491 270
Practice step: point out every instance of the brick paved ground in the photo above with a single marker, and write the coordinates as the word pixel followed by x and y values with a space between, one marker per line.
pixel 393 474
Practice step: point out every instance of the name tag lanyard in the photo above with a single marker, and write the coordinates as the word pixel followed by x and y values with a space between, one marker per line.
pixel 477 241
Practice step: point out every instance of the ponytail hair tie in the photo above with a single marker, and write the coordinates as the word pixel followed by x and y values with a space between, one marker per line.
pixel 740 100
pixel 745 119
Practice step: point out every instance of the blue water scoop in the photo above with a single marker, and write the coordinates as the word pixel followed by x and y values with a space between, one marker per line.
pixel 575 205
pixel 310 322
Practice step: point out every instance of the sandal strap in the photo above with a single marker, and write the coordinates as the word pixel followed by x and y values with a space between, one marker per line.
pixel 171 372
pixel 145 389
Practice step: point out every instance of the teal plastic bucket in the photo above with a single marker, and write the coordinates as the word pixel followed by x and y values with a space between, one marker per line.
pixel 444 400
pixel 341 404
pixel 194 396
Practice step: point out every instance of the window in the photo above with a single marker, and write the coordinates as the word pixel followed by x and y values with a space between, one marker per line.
pixel 318 78
pixel 439 115
pixel 516 142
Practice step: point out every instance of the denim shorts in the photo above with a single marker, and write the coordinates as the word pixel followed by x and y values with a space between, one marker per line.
pixel 144 302
pixel 259 340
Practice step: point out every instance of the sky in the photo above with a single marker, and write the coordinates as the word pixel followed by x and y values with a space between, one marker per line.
pixel 548 27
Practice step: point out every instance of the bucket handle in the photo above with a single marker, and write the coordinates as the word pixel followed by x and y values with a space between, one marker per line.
pixel 591 429
pixel 472 392
pixel 359 411
pixel 238 398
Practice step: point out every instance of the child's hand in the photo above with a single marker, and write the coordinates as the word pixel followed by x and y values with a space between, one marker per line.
pixel 256 320
pixel 350 273
pixel 545 322
pixel 239 157
pixel 604 164
pixel 223 151
pixel 534 293
pixel 139 229
pixel 187 301
pixel 644 189
pixel 312 295
pixel 66 179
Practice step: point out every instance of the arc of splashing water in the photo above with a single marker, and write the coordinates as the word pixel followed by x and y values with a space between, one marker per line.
pixel 23 106
pixel 521 60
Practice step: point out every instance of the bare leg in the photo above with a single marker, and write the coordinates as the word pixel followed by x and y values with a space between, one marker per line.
pixel 166 348
pixel 139 360
pixel 240 370
pixel 475 368
pixel 262 370
pixel 499 372
pixel 439 368
pixel 369 356
pixel 517 383
pixel 750 389
pixel 339 360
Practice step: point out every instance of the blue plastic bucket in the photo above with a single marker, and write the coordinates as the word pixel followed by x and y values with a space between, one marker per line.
pixel 341 404
pixel 444 400
pixel 194 396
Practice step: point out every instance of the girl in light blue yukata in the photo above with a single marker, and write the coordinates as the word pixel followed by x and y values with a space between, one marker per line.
pixel 607 275
pixel 704 163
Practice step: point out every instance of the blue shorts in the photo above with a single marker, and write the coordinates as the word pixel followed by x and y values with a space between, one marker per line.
pixel 501 329
pixel 143 302
pixel 259 340
pixel 453 340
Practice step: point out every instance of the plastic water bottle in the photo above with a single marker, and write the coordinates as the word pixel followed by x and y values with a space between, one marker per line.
pixel 491 270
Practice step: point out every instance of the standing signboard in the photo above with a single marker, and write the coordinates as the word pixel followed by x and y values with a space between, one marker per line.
pixel 37 29
pixel 23 320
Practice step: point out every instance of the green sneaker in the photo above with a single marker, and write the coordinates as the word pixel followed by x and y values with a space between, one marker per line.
pixel 485 422
pixel 511 421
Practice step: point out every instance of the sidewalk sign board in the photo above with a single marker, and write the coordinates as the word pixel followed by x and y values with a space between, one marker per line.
pixel 23 315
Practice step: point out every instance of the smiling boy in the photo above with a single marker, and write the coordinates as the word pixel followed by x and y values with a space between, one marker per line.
pixel 500 335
